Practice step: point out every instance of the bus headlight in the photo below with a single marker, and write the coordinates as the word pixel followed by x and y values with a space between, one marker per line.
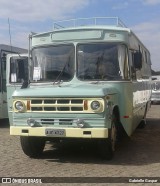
pixel 19 106
pixel 95 105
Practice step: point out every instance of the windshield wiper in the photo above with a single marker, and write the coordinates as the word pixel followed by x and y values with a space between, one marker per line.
pixel 61 72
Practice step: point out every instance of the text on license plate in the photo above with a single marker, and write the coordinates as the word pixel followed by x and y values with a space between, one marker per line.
pixel 55 132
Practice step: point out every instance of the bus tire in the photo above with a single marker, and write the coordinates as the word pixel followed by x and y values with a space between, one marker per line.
pixel 107 146
pixel 142 124
pixel 32 146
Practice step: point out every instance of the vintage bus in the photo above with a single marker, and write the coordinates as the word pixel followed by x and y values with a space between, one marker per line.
pixel 89 81
pixel 4 50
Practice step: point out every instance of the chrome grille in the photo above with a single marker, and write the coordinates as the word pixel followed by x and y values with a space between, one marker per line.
pixel 56 105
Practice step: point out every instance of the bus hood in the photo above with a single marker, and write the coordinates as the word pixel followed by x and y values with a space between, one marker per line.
pixel 79 90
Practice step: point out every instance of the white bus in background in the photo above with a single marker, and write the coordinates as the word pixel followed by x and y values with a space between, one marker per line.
pixel 4 50
pixel 155 98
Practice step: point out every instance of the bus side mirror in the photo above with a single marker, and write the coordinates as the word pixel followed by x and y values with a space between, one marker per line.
pixel 138 60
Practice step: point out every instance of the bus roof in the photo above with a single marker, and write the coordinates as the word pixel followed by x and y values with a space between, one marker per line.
pixel 83 28
pixel 105 23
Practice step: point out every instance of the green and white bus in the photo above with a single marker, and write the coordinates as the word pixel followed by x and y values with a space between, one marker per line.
pixel 89 81
pixel 4 50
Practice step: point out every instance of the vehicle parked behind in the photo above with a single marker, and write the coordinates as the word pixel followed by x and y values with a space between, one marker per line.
pixel 155 98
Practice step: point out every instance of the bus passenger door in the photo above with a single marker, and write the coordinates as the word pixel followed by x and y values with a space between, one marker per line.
pixel 17 73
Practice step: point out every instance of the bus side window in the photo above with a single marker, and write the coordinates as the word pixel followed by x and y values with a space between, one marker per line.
pixel 18 70
pixel 136 65
pixel 133 70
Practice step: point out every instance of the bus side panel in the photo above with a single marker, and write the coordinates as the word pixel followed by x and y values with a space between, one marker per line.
pixel 125 104
pixel 133 99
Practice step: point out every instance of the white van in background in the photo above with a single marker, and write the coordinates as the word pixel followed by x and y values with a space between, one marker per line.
pixel 155 98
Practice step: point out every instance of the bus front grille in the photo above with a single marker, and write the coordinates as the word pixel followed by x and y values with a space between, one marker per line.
pixel 56 105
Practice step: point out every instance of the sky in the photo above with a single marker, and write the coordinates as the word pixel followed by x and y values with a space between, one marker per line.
pixel 26 16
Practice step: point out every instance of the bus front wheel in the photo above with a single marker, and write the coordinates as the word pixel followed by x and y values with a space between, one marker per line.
pixel 107 146
pixel 32 146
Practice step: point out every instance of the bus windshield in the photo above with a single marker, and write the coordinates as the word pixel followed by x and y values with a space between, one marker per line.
pixel 102 61
pixel 52 63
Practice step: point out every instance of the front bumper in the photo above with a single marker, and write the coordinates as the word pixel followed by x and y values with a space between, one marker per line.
pixel 69 132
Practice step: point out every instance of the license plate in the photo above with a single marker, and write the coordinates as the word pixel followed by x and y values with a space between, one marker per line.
pixel 55 132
